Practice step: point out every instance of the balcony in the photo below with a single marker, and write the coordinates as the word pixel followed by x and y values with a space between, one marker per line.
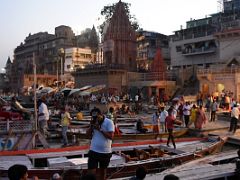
pixel 199 51
pixel 219 70
pixel 100 68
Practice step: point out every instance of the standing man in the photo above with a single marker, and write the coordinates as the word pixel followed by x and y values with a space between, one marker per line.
pixel 65 122
pixel 169 123
pixel 155 122
pixel 214 108
pixel 186 113
pixel 234 118
pixel 163 115
pixel 102 132
pixel 43 116
pixel 112 116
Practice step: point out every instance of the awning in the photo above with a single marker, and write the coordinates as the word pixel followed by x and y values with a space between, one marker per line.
pixel 92 90
pixel 45 90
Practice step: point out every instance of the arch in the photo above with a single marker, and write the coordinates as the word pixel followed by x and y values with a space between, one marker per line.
pixel 220 87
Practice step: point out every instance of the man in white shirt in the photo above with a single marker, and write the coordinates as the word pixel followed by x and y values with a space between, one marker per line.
pixel 234 119
pixel 155 122
pixel 43 116
pixel 186 113
pixel 102 132
pixel 163 115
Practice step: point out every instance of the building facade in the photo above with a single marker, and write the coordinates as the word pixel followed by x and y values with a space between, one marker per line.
pixel 77 58
pixel 147 44
pixel 119 43
pixel 199 44
pixel 43 48
pixel 118 55
pixel 206 46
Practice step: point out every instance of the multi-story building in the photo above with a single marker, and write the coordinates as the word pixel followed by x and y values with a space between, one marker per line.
pixel 118 60
pixel 77 58
pixel 199 43
pixel 147 44
pixel 195 45
pixel 209 43
pixel 44 49
pixel 118 52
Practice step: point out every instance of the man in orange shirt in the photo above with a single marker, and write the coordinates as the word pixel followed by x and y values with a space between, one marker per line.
pixel 169 124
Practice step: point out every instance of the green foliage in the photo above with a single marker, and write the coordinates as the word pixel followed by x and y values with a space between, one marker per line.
pixel 88 38
pixel 108 11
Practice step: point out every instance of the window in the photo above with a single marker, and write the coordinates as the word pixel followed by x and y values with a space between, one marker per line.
pixel 178 48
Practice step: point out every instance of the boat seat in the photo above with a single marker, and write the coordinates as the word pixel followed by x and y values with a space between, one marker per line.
pixel 156 152
pixel 141 154
pixel 128 157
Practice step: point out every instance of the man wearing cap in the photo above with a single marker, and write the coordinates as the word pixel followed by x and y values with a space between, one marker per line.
pixel 163 115
pixel 43 116
pixel 234 118
pixel 102 131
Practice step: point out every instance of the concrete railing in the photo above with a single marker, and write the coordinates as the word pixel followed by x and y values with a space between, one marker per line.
pixel 15 126
pixel 219 70
pixel 154 76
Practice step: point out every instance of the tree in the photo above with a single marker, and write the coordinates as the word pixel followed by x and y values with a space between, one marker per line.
pixel 108 11
pixel 93 40
pixel 83 38
pixel 88 38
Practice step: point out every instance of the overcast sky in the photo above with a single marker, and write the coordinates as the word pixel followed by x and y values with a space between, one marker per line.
pixel 18 18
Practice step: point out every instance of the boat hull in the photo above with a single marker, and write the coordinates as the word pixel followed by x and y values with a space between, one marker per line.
pixel 136 136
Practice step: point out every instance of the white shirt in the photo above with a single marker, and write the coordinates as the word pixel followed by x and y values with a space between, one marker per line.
pixel 43 109
pixel 163 116
pixel 99 142
pixel 136 98
pixel 235 112
pixel 214 106
pixel 155 119
pixel 186 110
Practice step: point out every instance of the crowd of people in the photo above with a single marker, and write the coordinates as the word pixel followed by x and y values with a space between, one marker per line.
pixel 20 172
pixel 103 126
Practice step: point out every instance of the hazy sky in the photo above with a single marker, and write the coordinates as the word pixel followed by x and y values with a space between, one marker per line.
pixel 18 18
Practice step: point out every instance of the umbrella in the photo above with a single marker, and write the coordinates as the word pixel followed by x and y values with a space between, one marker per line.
pixel 52 91
pixel 44 91
pixel 65 91
pixel 74 91
pixel 85 87
pixel 96 88
pixel 176 99
pixel 78 90
pixel 84 93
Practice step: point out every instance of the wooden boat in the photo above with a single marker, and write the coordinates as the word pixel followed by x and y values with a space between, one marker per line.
pixel 128 134
pixel 218 166
pixel 126 158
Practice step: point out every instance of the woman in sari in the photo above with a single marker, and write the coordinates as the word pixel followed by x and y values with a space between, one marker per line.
pixel 201 118
pixel 193 115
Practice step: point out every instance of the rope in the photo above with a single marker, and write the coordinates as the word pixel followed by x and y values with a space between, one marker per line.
pixel 116 172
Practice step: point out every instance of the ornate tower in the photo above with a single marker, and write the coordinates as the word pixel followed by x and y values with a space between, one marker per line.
pixel 158 64
pixel 119 45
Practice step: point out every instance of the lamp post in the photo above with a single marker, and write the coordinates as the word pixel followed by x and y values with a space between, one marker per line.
pixel 232 68
pixel 61 54
pixel 57 72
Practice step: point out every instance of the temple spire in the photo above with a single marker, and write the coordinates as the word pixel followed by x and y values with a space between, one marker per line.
pixel 120 40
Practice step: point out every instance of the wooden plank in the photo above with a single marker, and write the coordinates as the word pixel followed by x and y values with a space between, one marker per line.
pixel 9 135
pixel 8 161
pixel 199 172
pixel 30 141
pixel 18 141
pixel 42 139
